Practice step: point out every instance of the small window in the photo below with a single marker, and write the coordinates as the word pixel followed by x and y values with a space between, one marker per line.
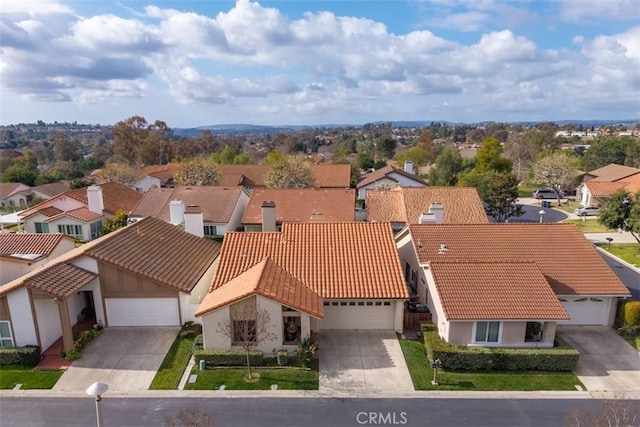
pixel 343 303
pixel 6 340
pixel 243 331
pixel 360 302
pixel 326 303
pixel 210 230
pixel 334 303
pixel 487 332
pixel 352 303
pixel 387 303
pixel 369 303
pixel 378 303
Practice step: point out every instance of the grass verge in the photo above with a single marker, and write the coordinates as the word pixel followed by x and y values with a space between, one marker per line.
pixel 630 252
pixel 174 363
pixel 589 225
pixel 11 375
pixel 234 379
pixel 422 374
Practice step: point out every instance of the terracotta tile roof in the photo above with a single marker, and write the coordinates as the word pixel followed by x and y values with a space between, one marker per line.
pixel 82 214
pixel 167 171
pixel 488 291
pixel 159 251
pixel 49 211
pixel 217 203
pixel 336 260
pixel 632 183
pixel 8 188
pixel 566 258
pixel 60 280
pixel 116 197
pixel 462 205
pixel 613 172
pixel 269 280
pixel 298 205
pixel 53 188
pixel 332 175
pixel 603 188
pixel 382 173
pixel 13 244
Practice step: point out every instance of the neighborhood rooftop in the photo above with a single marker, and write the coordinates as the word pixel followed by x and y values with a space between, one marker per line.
pixel 19 245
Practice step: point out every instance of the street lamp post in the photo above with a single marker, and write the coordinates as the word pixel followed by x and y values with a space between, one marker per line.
pixel 97 390
pixel 541 213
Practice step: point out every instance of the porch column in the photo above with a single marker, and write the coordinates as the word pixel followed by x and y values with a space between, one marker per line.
pixel 65 323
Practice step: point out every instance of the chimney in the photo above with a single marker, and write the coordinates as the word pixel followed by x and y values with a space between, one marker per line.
pixel 408 167
pixel 194 221
pixel 94 198
pixel 427 218
pixel 437 209
pixel 176 212
pixel 268 216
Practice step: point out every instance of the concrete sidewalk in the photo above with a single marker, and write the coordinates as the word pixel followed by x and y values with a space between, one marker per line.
pixel 622 237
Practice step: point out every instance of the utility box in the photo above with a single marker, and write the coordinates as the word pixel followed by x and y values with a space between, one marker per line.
pixel 202 365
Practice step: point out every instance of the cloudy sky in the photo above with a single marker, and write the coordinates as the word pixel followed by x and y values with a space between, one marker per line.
pixel 204 62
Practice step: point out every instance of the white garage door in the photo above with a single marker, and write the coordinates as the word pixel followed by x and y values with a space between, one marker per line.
pixel 358 315
pixel 142 311
pixel 586 311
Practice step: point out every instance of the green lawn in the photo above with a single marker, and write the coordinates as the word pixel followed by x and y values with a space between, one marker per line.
pixel 233 379
pixel 11 375
pixel 174 364
pixel 527 191
pixel 629 252
pixel 422 374
pixel 589 225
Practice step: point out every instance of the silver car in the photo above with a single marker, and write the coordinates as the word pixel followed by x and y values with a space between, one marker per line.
pixel 587 211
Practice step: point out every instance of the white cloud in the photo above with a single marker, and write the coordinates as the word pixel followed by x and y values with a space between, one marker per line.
pixel 597 10
pixel 466 21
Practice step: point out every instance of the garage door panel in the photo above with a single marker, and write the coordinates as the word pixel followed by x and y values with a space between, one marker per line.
pixel 143 311
pixel 358 317
pixel 586 311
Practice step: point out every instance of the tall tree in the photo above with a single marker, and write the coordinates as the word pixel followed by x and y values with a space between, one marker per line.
pixel 489 157
pixel 447 167
pixel 290 172
pixel 500 196
pixel 417 155
pixel 198 171
pixel 621 151
pixel 622 211
pixel 385 147
pixel 118 172
pixel 558 170
pixel 65 149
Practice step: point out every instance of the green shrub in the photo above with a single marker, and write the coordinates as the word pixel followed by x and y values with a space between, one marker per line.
pixel 28 355
pixel 630 314
pixel 461 357
pixel 283 357
pixel 307 351
pixel 73 354
pixel 198 343
pixel 228 357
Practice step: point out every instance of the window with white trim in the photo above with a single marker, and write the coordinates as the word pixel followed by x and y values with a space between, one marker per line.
pixel 96 229
pixel 487 332
pixel 6 340
pixel 42 227
pixel 71 230
pixel 210 230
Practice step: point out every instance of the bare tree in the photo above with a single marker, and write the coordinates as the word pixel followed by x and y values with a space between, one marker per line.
pixel 198 171
pixel 558 170
pixel 611 413
pixel 248 326
pixel 290 172
pixel 194 416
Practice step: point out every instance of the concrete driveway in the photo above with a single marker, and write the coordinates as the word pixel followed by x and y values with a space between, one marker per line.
pixel 607 362
pixel 126 358
pixel 361 362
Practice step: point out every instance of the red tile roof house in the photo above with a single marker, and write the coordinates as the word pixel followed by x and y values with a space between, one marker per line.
pixel 80 213
pixel 222 207
pixel 309 276
pixel 23 252
pixel 493 284
pixel 150 273
pixel 413 205
pixel 391 176
pixel 599 184
pixel 298 205
pixel 12 194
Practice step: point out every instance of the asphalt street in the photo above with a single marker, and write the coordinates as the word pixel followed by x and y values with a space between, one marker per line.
pixel 629 277
pixel 316 412
pixel 532 213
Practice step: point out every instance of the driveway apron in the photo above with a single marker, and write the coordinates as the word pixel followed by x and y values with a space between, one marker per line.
pixel 607 362
pixel 125 358
pixel 354 362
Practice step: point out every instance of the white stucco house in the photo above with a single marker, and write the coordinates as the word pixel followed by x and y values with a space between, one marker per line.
pixel 389 176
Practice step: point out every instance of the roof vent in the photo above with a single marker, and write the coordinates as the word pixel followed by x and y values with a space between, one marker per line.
pixel 443 249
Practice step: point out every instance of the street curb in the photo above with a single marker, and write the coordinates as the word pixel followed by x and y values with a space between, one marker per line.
pixel 620 260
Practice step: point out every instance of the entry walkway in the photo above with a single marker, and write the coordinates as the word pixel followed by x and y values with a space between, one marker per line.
pixel 353 362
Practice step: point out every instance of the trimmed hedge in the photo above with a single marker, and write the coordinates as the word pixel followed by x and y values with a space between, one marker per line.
pixel 629 314
pixel 198 343
pixel 228 357
pixel 28 355
pixel 560 358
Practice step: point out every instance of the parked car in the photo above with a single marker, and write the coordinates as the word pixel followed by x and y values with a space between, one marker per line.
pixel 587 210
pixel 545 193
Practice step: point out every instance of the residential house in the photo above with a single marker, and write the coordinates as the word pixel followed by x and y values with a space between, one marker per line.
pixel 12 194
pixel 353 268
pixel 80 213
pixel 149 273
pixel 298 205
pixel 413 205
pixel 222 207
pixel 23 252
pixel 389 176
pixel 507 284
pixel 599 184
pixel 156 176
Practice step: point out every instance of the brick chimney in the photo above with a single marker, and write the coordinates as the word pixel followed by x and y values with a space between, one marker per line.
pixel 268 216
pixel 194 221
pixel 94 199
